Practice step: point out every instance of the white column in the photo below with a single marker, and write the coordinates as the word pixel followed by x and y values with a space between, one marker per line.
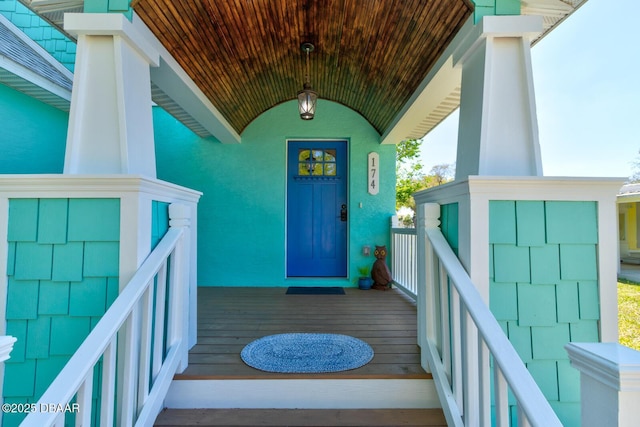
pixel 498 130
pixel 110 120
pixel 428 217
pixel 185 295
pixel 609 383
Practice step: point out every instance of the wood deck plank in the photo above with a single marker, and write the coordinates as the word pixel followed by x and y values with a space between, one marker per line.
pixel 230 318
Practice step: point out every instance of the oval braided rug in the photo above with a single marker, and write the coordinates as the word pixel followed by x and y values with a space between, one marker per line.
pixel 306 353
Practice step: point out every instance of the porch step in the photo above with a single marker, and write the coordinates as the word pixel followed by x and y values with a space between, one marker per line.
pixel 303 393
pixel 301 417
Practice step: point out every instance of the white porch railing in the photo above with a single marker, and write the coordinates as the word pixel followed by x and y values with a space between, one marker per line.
pixel 404 260
pixel 460 338
pixel 141 341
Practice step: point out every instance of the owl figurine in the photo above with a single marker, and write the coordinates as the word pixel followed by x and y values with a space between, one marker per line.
pixel 380 272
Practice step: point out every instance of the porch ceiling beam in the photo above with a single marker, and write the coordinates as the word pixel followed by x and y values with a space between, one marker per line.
pixel 171 79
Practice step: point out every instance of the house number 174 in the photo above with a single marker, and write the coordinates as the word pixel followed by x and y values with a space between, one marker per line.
pixel 373 173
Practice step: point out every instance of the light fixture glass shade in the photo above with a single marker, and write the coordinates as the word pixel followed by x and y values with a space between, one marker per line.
pixel 307 98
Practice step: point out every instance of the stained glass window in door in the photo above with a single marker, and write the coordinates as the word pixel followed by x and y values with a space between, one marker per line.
pixel 316 162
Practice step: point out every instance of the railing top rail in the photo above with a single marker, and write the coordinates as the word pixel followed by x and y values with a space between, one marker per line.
pixel 70 378
pixel 523 386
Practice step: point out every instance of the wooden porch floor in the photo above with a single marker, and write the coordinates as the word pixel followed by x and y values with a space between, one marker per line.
pixel 230 318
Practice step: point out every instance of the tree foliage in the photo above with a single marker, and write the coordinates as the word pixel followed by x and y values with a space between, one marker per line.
pixel 410 176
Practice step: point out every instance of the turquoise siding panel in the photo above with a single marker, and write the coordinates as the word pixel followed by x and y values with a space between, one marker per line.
pixel 53 298
pixel 101 259
pixel 84 214
pixel 502 222
pixel 545 264
pixel 495 7
pixel 68 262
pixel 520 337
pixel 551 265
pixel 11 258
pixel 449 224
pixel 23 220
pixel 52 303
pixel 536 305
pixel 33 261
pixel 511 263
pixel 67 333
pixel 530 223
pixel 572 222
pixel 159 221
pixel 567 297
pixel 545 372
pixel 548 342
pixel 584 331
pixel 504 301
pixel 20 380
pixel 22 299
pixel 47 370
pixel 89 297
pixel 589 300
pixel 244 191
pixel 52 213
pixel 38 334
pixel 39 30
pixel 568 382
pixel 578 262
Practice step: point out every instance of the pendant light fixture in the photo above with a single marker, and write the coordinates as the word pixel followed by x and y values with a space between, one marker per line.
pixel 307 97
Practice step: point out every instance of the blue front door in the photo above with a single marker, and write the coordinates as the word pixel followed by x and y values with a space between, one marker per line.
pixel 317 209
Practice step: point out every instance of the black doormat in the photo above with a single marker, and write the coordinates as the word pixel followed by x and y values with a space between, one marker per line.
pixel 315 290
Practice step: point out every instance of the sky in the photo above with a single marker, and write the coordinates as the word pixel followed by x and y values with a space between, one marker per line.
pixel 587 85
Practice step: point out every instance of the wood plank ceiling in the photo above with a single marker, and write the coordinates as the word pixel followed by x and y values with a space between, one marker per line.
pixel 245 55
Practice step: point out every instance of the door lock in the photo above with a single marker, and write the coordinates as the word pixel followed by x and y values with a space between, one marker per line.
pixel 343 213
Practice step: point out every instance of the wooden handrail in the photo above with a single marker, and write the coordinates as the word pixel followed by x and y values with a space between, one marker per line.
pixel 530 399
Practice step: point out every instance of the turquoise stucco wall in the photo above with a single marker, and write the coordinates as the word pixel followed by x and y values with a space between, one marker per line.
pixel 39 30
pixel 33 140
pixel 241 215
pixel 63 274
pixel 544 289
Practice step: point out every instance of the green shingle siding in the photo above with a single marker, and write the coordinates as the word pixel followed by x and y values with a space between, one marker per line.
pixel 63 274
pixel 23 220
pixel 495 7
pixel 94 220
pixel 511 263
pixel 545 253
pixel 536 305
pixel 52 213
pixel 40 31
pixel 159 221
pixel 502 222
pixel 33 261
pixel 571 222
pixel 68 262
pixel 449 224
pixel 530 223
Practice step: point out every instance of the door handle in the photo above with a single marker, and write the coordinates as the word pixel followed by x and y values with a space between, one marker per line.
pixel 343 213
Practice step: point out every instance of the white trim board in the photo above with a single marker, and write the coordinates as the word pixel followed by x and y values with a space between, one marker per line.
pixel 303 394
